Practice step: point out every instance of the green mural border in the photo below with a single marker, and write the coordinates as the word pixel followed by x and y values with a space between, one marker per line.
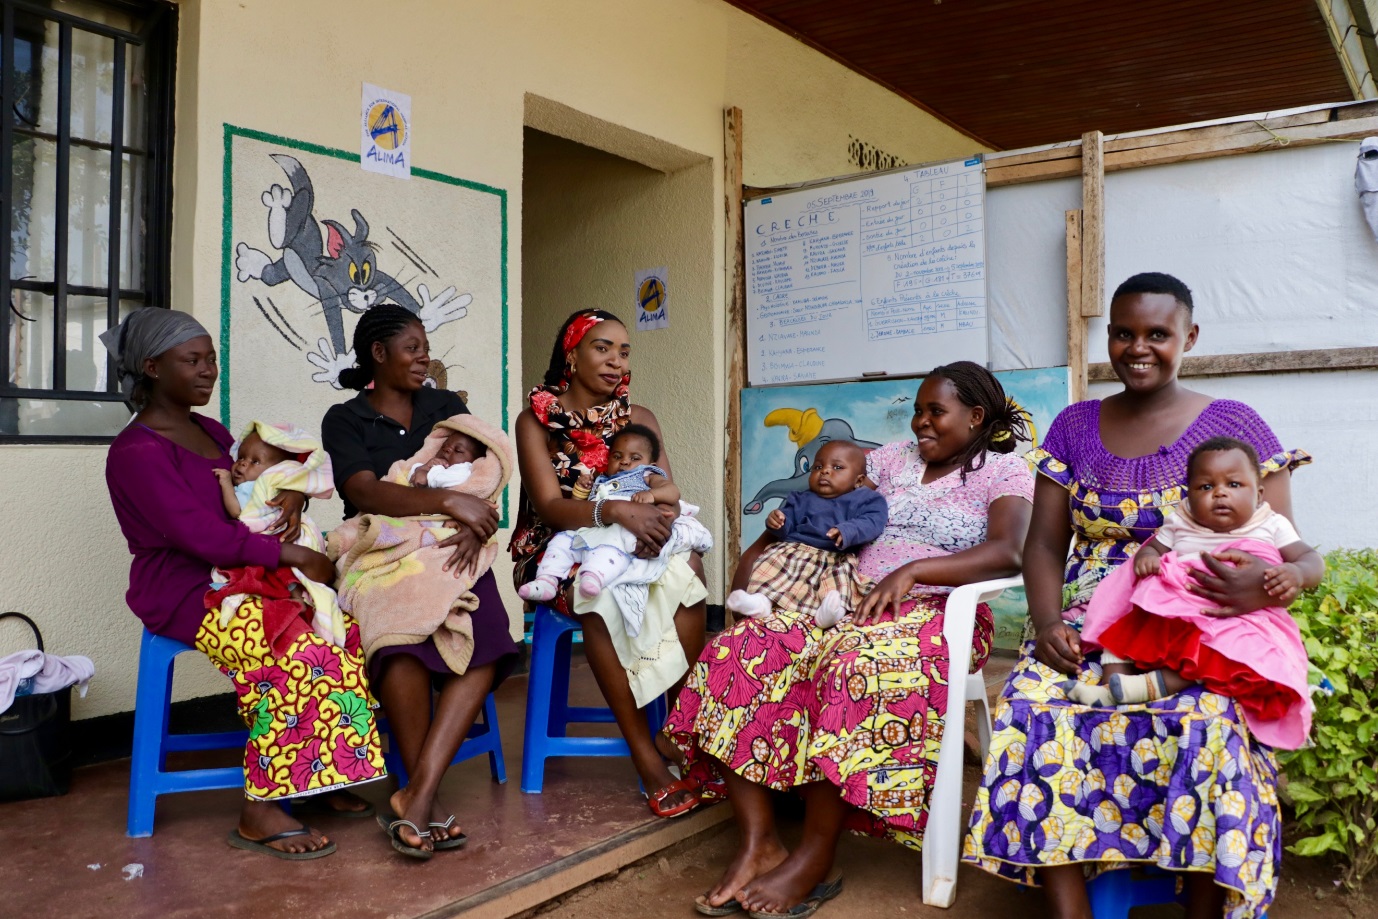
pixel 227 249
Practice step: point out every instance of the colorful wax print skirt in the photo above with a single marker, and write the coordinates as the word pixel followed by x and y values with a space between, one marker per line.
pixel 783 703
pixel 309 710
pixel 797 577
pixel 1178 783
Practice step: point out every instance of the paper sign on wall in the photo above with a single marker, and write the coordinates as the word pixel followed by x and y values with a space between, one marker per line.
pixel 652 299
pixel 385 132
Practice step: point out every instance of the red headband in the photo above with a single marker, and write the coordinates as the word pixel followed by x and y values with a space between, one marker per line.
pixel 577 330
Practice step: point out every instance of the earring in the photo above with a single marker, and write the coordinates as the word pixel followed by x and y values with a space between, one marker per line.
pixel 971 427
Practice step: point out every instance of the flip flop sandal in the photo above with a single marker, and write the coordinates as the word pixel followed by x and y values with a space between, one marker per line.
pixel 656 802
pixel 317 805
pixel 444 840
pixel 726 909
pixel 261 845
pixel 820 895
pixel 392 825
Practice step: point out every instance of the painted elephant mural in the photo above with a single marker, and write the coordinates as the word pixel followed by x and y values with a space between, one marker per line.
pixel 809 431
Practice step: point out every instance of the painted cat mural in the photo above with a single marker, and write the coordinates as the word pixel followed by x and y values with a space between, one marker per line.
pixel 339 271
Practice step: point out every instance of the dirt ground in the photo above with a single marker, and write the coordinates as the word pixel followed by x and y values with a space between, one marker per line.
pixel 883 880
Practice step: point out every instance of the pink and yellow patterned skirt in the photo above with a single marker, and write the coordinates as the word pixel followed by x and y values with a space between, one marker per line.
pixel 783 703
pixel 309 711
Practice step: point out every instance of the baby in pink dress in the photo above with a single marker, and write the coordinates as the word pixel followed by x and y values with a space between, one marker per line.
pixel 1158 640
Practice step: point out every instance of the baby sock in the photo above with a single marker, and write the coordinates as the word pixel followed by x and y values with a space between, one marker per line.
pixel 830 610
pixel 1132 689
pixel 542 589
pixel 590 583
pixel 1093 694
pixel 751 606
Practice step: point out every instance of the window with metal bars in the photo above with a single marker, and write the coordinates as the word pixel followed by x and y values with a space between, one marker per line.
pixel 85 203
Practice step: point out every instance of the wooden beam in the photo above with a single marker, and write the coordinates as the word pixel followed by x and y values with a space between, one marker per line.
pixel 1264 362
pixel 735 278
pixel 1092 224
pixel 1076 323
pixel 1302 129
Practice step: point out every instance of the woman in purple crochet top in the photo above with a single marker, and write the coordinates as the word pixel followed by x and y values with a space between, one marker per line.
pixel 1179 783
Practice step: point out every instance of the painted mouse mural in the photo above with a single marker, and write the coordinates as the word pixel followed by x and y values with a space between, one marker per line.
pixel 338 270
pixel 809 431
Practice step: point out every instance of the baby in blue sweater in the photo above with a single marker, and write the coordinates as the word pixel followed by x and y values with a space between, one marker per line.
pixel 810 567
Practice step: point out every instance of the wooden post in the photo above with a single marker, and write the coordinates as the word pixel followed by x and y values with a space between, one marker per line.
pixel 1092 225
pixel 1076 321
pixel 735 278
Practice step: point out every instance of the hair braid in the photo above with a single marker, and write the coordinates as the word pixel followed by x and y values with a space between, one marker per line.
pixel 379 325
pixel 1003 425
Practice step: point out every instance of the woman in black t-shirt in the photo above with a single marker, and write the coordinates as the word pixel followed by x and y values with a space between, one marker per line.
pixel 364 437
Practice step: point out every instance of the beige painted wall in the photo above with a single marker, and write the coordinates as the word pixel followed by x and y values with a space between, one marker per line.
pixel 295 68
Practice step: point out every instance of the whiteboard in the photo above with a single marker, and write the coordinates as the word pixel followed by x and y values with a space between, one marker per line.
pixel 884 274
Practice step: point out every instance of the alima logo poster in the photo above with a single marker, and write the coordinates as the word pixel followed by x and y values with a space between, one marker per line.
pixel 652 299
pixel 385 132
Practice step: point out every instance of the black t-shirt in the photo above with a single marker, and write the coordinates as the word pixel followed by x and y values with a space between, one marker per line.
pixel 358 437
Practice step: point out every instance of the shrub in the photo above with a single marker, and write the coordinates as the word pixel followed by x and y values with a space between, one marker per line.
pixel 1333 784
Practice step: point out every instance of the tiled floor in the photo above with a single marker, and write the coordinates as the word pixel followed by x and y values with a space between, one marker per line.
pixel 68 857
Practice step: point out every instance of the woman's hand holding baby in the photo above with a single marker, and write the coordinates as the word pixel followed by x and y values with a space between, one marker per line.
pixel 290 504
pixel 649 523
pixel 467 547
pixel 887 596
pixel 476 514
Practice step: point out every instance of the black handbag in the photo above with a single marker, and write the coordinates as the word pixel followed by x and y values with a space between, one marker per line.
pixel 35 740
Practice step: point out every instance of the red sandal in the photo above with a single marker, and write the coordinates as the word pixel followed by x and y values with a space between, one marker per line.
pixel 656 801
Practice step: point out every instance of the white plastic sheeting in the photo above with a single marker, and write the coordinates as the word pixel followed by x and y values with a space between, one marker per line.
pixel 1276 251
pixel 1273 245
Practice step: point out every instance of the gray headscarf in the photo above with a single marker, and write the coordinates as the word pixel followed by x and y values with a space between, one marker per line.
pixel 143 334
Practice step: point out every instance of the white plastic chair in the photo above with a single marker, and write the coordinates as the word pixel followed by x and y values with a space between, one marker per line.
pixel 942 845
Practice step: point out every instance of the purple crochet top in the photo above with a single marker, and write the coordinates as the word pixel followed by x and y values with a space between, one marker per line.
pixel 1117 503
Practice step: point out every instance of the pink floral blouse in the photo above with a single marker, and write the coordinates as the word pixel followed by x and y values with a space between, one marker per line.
pixel 940 518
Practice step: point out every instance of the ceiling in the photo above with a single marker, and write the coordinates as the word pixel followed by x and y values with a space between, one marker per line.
pixel 1017 73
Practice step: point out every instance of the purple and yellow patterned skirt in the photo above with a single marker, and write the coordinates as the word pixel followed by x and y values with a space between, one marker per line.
pixel 309 711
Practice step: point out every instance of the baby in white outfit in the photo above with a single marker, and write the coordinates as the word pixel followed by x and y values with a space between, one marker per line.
pixel 452 464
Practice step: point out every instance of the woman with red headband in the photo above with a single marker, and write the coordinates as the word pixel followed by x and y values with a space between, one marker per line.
pixel 561 435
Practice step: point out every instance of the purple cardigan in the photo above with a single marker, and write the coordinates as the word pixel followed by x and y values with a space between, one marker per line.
pixel 169 507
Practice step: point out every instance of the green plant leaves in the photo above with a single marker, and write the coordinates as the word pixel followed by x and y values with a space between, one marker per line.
pixel 1332 783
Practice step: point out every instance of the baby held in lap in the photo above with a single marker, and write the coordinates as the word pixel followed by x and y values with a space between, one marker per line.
pixel 452 464
pixel 605 552
pixel 812 566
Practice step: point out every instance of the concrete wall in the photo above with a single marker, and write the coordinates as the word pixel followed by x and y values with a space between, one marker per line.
pixel 658 69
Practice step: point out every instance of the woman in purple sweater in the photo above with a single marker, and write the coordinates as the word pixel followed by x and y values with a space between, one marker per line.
pixel 305 700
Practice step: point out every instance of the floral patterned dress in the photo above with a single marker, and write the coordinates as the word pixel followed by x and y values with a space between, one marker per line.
pixel 784 703
pixel 1178 783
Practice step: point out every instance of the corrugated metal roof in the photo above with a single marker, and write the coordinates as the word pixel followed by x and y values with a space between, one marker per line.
pixel 1014 73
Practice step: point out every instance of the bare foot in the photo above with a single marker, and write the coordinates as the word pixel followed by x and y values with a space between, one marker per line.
pixel 667 749
pixel 261 819
pixel 789 884
pixel 405 805
pixel 439 815
pixel 751 861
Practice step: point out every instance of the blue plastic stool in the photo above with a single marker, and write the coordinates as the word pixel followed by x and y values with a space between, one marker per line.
pixel 1114 893
pixel 548 712
pixel 484 737
pixel 148 775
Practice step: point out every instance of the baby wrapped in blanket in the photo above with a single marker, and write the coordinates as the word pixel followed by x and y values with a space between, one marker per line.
pixel 271 459
pixel 392 577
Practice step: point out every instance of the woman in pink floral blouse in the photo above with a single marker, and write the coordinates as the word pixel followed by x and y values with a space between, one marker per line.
pixel 850 717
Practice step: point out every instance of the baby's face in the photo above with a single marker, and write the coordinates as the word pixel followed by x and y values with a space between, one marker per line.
pixel 458 448
pixel 838 467
pixel 628 452
pixel 1224 490
pixel 255 455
